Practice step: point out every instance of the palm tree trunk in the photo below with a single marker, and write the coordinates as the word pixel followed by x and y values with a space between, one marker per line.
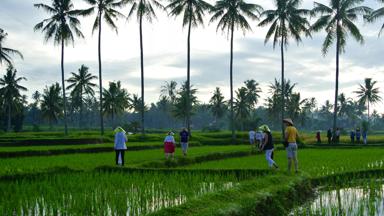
pixel 282 88
pixel 188 69
pixel 100 80
pixel 337 78
pixel 63 84
pixel 142 75
pixel 9 118
pixel 231 84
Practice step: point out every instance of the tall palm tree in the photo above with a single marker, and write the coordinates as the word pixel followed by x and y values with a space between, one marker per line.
pixel 184 102
pixel 193 12
pixel 217 105
pixel 60 27
pixel 106 9
pixel 233 14
pixel 6 52
pixel 10 91
pixel 116 100
pixel 143 9
pixel 252 92
pixel 368 93
pixel 337 20
pixel 377 14
pixel 242 106
pixel 81 86
pixel 287 21
pixel 51 104
pixel 169 91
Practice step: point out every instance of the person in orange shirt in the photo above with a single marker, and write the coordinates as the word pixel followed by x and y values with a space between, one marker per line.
pixel 291 136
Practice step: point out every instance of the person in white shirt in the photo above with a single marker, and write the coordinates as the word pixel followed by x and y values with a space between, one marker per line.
pixel 259 136
pixel 169 145
pixel 251 134
pixel 120 147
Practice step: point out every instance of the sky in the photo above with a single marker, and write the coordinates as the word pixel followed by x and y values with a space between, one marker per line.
pixel 165 55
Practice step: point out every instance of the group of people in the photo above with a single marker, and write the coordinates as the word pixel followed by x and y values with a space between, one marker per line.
pixel 263 138
pixel 169 144
pixel 354 134
pixel 358 134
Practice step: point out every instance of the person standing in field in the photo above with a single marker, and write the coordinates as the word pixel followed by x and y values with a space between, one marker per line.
pixel 291 136
pixel 358 135
pixel 318 137
pixel 259 138
pixel 252 135
pixel 329 135
pixel 352 136
pixel 184 138
pixel 337 136
pixel 169 145
pixel 268 146
pixel 365 137
pixel 120 147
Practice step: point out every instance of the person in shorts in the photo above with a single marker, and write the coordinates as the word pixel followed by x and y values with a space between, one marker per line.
pixel 291 136
pixel 184 137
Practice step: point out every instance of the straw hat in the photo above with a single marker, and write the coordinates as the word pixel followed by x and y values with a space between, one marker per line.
pixel 288 120
pixel 119 129
pixel 264 128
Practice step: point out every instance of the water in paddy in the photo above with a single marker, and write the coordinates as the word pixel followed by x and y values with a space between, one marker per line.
pixel 353 201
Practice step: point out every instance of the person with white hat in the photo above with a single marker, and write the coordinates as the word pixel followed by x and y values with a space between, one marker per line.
pixel 291 136
pixel 267 146
pixel 120 147
pixel 169 145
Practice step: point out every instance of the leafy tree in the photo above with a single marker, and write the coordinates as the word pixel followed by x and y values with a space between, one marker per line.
pixel 10 91
pixel 368 93
pixel 81 86
pixel 338 20
pixel 5 53
pixel 252 92
pixel 60 27
pixel 377 14
pixel 193 12
pixel 52 104
pixel 217 104
pixel 232 14
pixel 143 9
pixel 183 102
pixel 242 106
pixel 287 21
pixel 106 9
pixel 168 91
pixel 116 100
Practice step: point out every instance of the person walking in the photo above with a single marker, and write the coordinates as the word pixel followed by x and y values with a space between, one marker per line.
pixel 291 136
pixel 352 136
pixel 120 147
pixel 259 138
pixel 329 135
pixel 184 138
pixel 252 136
pixel 337 136
pixel 268 146
pixel 365 137
pixel 169 145
pixel 358 135
pixel 318 137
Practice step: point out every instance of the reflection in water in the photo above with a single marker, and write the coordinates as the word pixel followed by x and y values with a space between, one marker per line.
pixel 364 200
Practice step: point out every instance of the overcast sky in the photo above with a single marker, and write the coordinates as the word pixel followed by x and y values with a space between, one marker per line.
pixel 165 52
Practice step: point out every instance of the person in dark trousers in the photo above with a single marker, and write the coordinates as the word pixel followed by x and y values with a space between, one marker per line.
pixel 120 147
pixel 365 137
pixel 352 136
pixel 336 136
pixel 358 135
pixel 318 137
pixel 329 135
pixel 184 138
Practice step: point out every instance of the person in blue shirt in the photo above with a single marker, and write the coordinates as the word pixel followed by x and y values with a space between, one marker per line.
pixel 120 147
pixel 352 135
pixel 358 134
pixel 184 137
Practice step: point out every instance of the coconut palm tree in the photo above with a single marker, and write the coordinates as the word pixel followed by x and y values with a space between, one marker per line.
pixel 242 106
pixel 169 91
pixel 368 93
pixel 377 14
pixel 51 104
pixel 286 21
pixel 337 20
pixel 143 9
pixel 252 92
pixel 185 103
pixel 233 14
pixel 10 91
pixel 6 52
pixel 193 12
pixel 106 9
pixel 217 105
pixel 61 27
pixel 81 86
pixel 116 100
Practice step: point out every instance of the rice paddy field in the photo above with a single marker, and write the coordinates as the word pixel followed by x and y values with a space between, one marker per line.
pixel 216 177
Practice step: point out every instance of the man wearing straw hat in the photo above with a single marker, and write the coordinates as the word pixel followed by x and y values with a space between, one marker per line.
pixel 291 136
pixel 120 147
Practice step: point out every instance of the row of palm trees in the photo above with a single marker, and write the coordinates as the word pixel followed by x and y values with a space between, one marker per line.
pixel 286 21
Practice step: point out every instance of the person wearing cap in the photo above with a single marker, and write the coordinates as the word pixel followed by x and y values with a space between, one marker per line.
pixel 184 136
pixel 267 146
pixel 169 145
pixel 291 136
pixel 120 147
